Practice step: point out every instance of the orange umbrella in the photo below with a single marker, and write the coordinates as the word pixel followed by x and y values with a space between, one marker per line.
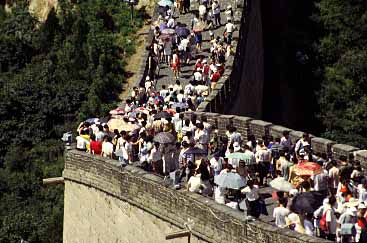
pixel 308 168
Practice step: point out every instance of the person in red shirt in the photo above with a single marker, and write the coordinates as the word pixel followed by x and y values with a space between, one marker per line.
pixel 205 70
pixel 214 78
pixel 198 65
pixel 95 146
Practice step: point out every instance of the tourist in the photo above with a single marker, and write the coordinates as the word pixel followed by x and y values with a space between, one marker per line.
pixel 107 147
pixel 95 146
pixel 252 196
pixel 216 13
pixel 280 213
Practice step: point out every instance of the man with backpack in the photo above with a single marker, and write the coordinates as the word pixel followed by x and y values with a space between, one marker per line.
pixel 327 224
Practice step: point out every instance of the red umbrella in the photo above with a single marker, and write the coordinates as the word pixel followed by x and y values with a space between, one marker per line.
pixel 308 168
pixel 117 111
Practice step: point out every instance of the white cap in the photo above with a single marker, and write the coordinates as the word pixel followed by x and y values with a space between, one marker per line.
pixel 147 78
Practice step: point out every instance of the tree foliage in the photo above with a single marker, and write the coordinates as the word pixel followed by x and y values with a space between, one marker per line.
pixel 52 74
pixel 343 94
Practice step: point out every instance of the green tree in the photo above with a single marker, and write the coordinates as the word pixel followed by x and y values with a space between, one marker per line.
pixel 343 94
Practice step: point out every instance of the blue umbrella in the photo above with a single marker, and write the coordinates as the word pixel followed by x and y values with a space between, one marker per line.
pixel 182 31
pixel 230 180
pixel 164 3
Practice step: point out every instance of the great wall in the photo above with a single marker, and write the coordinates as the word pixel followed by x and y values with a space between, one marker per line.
pixel 104 203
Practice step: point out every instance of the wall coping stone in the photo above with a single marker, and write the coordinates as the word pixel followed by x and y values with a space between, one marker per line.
pixel 344 147
pixel 261 123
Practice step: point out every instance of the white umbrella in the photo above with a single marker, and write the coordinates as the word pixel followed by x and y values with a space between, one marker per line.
pixel 281 184
pixel 230 180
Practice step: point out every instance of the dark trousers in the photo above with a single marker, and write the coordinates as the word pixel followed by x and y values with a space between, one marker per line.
pixel 217 19
pixel 263 171
pixel 254 208
pixel 331 237
pixel 186 6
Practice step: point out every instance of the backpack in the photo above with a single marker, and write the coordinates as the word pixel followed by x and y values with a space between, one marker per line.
pixel 347 227
pixel 323 223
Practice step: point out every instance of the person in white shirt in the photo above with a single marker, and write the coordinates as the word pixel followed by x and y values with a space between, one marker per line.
pixel 304 141
pixel 195 184
pixel 219 195
pixel 308 225
pixel 155 157
pixel 263 158
pixel 164 92
pixel 81 141
pixel 216 164
pixel 171 23
pixel 202 12
pixel 229 29
pixel 107 147
pixel 252 196
pixel 198 77
pixel 330 218
pixel 229 12
pixel 280 213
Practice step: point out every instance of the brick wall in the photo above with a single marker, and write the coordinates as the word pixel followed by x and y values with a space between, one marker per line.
pixel 210 221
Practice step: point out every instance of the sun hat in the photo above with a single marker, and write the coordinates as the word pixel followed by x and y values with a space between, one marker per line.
pixel 353 202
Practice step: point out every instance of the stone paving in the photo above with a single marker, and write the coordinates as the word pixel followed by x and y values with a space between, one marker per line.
pixel 166 76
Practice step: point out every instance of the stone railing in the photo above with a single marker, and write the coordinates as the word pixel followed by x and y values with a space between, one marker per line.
pixel 209 221
pixel 249 126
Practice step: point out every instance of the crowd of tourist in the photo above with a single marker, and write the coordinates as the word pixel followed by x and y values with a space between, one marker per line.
pixel 316 195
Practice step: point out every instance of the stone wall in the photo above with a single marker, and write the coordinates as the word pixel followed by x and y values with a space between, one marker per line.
pixel 104 203
pixel 247 126
pixel 92 215
pixel 240 89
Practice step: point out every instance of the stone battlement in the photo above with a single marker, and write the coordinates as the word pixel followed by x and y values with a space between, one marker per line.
pixel 249 126
pixel 209 221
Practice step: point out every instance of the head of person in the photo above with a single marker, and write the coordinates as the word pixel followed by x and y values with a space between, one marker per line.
pixel 93 137
pixel 200 126
pixel 106 128
pixel 250 183
pixel 286 134
pixel 332 200
pixel 282 201
pixel 343 159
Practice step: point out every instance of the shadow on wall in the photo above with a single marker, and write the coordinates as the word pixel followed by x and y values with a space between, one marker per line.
pixel 250 74
pixel 289 86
